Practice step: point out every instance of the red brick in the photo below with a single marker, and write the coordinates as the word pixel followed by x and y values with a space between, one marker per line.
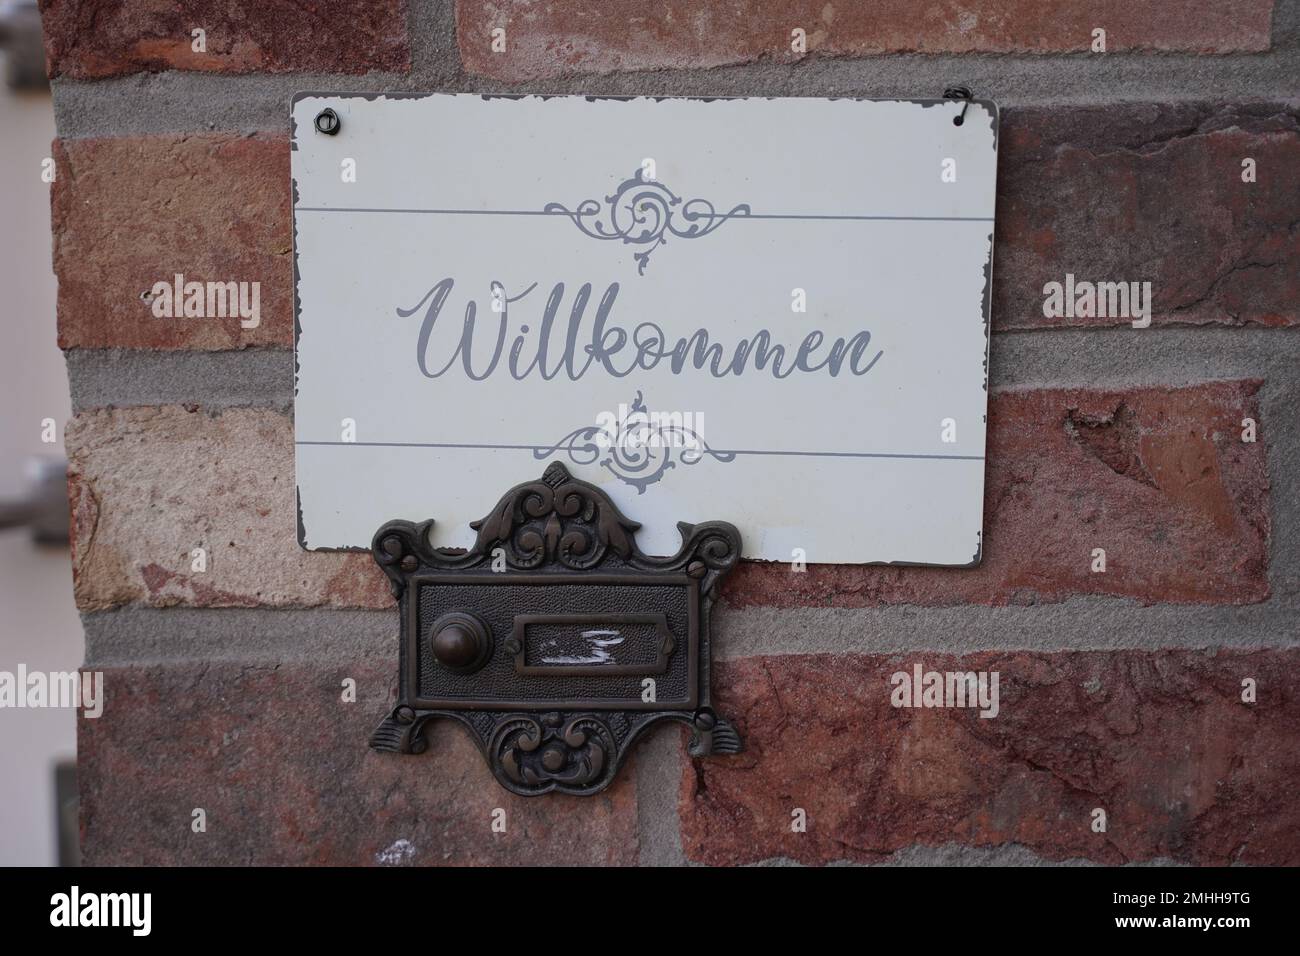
pixel 1158 739
pixel 1150 193
pixel 1119 193
pixel 150 484
pixel 90 39
pixel 131 212
pixel 601 36
pixel 281 767
pixel 1158 477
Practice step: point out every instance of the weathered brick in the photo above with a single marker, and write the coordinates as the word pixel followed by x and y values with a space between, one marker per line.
pixel 281 767
pixel 148 485
pixel 90 39
pixel 1126 193
pixel 1160 740
pixel 130 212
pixel 1150 193
pixel 601 36
pixel 1157 477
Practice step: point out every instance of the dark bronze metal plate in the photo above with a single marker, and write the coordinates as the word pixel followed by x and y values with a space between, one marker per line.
pixel 554 639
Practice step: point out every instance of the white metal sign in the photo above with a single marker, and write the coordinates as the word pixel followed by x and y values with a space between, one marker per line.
pixel 772 312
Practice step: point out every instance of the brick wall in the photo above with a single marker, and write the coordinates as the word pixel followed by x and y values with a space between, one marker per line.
pixel 1119 690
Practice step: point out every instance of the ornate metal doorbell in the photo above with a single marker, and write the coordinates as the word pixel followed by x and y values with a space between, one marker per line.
pixel 554 639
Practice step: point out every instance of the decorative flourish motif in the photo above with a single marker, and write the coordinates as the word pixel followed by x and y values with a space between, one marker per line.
pixel 644 213
pixel 555 520
pixel 541 753
pixel 640 449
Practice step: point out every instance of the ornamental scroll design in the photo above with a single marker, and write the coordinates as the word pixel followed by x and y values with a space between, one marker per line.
pixel 556 520
pixel 643 212
pixel 547 751
pixel 640 448
pixel 532 754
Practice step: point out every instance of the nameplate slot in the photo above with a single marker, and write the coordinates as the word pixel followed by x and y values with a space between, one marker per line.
pixel 592 645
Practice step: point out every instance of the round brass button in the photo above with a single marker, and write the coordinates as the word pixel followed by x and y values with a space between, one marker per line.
pixel 455 646
pixel 460 642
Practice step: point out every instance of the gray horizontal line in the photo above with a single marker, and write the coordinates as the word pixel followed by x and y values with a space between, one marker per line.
pixel 413 444
pixel 440 212
pixel 841 454
pixel 1079 623
pixel 880 218
pixel 713 451
pixel 566 215
pixel 328 637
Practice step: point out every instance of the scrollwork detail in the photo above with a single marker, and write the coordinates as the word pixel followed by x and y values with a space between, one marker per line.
pixel 556 519
pixel 645 212
pixel 536 754
pixel 639 450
